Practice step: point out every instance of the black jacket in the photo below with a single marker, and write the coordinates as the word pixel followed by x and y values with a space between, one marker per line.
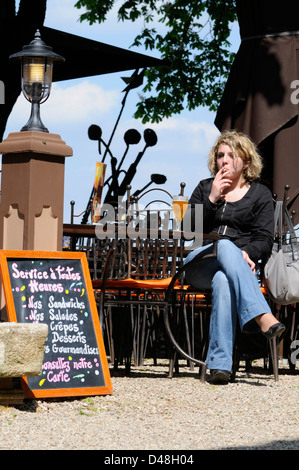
pixel 249 222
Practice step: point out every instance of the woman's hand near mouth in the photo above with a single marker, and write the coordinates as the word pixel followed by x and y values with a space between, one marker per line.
pixel 220 184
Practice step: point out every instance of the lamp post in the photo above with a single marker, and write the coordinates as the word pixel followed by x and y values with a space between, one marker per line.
pixel 37 67
pixel 33 164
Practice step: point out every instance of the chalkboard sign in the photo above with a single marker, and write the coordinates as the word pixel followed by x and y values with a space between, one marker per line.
pixel 55 288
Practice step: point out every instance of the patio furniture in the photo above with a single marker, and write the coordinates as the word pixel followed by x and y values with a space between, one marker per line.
pixel 138 269
pixel 190 304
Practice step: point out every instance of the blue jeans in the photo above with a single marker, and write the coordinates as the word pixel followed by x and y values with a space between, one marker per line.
pixel 236 293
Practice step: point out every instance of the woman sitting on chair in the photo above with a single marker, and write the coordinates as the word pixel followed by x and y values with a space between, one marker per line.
pixel 240 209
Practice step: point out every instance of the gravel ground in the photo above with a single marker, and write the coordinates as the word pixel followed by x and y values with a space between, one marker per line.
pixel 148 411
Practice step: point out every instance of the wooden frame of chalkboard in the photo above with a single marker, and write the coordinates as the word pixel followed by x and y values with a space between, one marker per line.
pixel 55 288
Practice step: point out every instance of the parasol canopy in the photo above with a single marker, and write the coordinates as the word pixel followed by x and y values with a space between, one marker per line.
pixel 86 57
pixel 260 99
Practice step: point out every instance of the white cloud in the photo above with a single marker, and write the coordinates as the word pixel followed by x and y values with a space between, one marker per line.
pixel 79 102
pixel 186 133
pixel 66 105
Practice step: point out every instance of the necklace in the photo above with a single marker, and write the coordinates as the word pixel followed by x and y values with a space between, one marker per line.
pixel 237 193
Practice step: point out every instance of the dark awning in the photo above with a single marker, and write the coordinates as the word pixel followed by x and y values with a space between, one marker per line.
pixel 258 98
pixel 86 57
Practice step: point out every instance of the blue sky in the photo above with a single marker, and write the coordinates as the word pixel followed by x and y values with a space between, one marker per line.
pixel 183 140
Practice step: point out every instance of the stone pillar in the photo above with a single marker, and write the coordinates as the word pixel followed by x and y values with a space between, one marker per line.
pixel 32 191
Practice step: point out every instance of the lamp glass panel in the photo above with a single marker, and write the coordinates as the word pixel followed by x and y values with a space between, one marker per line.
pixel 37 78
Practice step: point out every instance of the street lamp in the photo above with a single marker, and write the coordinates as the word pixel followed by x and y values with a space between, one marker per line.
pixel 37 66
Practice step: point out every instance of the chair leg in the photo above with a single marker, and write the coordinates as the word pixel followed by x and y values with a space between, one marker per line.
pixel 189 350
pixel 172 361
pixel 143 340
pixel 203 373
pixel 180 320
pixel 122 338
pixel 149 334
pixel 135 324
pixel 109 334
pixel 236 361
pixel 273 351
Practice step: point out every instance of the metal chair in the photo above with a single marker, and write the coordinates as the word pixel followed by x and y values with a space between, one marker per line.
pixel 134 300
pixel 185 302
pixel 133 294
pixel 175 300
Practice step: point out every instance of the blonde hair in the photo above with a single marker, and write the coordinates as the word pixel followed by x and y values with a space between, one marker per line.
pixel 243 147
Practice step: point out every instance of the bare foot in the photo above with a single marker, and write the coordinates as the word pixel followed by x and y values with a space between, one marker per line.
pixel 265 321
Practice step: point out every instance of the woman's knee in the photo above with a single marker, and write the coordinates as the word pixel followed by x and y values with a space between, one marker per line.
pixel 202 249
pixel 228 253
pixel 220 281
pixel 225 244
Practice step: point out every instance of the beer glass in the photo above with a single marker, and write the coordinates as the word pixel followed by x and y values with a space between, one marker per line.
pixel 179 207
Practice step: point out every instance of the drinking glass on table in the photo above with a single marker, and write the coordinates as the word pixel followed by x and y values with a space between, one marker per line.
pixel 179 207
